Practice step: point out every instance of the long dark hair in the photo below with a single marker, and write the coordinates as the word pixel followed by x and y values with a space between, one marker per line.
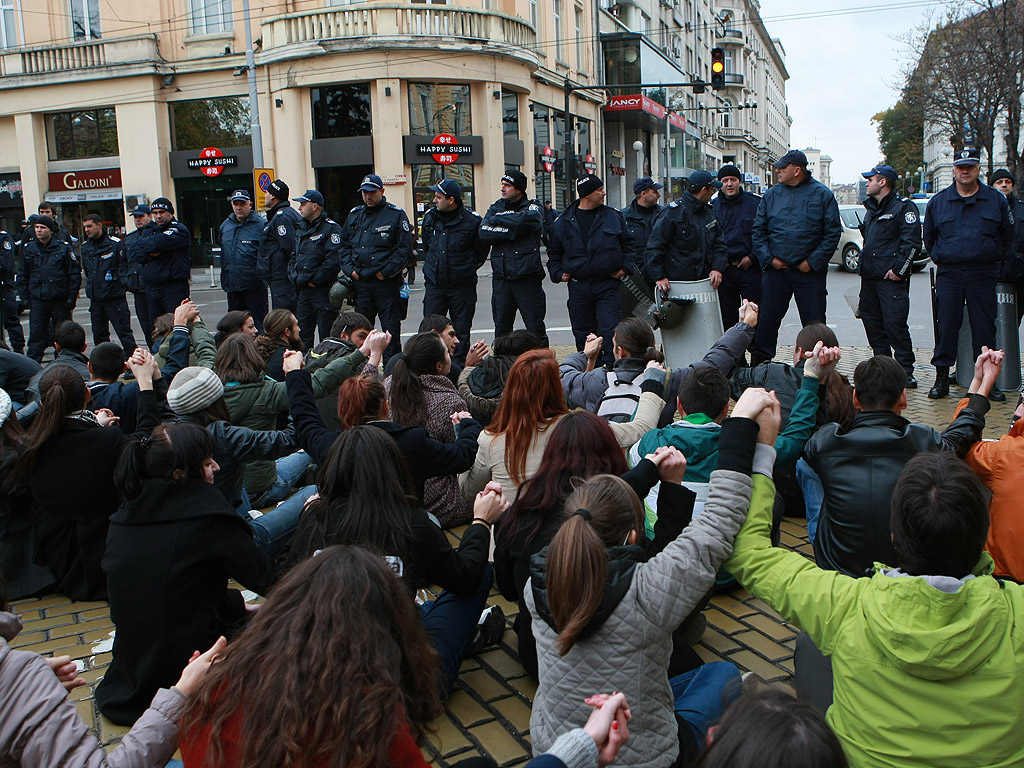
pixel 172 448
pixel 230 324
pixel 275 325
pixel 837 400
pixel 421 356
pixel 62 392
pixel 366 494
pixel 238 360
pixel 637 339
pixel 324 674
pixel 581 445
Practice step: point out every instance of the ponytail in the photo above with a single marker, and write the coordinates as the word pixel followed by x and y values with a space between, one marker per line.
pixel 173 452
pixel 838 399
pixel 62 392
pixel 421 356
pixel 129 472
pixel 637 339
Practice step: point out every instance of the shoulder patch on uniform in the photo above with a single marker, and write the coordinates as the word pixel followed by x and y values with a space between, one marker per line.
pixel 7 245
pixel 115 239
pixel 335 238
pixel 674 204
pixel 282 230
pixel 910 217
pixel 405 224
pixel 534 207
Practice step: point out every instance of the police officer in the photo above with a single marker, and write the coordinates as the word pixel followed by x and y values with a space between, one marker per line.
pixel 1012 270
pixel 736 209
pixel 892 240
pixel 512 228
pixel 166 248
pixel 643 213
pixel 686 243
pixel 314 268
pixel 277 246
pixel 8 298
pixel 50 278
pixel 968 230
pixel 134 259
pixel 103 259
pixel 550 217
pixel 376 246
pixel 591 249
pixel 239 244
pixel 45 208
pixel 452 253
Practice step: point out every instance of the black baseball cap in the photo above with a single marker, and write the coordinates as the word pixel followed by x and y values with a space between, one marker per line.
pixel 968 156
pixel 311 196
pixel 701 179
pixel 793 157
pixel 241 195
pixel 370 183
pixel 141 210
pixel 448 188
pixel 885 171
pixel 645 182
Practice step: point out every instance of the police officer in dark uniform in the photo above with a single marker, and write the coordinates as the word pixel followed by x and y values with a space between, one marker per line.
pixel 736 209
pixel 46 209
pixel 968 230
pixel 643 213
pixel 239 242
pixel 1012 270
pixel 892 240
pixel 591 249
pixel 512 228
pixel 277 246
pixel 132 264
pixel 103 261
pixel 452 253
pixel 8 299
pixel 50 278
pixel 314 268
pixel 166 248
pixel 687 242
pixel 376 246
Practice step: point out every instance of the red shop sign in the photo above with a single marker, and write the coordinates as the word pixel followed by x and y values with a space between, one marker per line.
pixel 108 178
pixel 589 164
pixel 212 161
pixel 547 159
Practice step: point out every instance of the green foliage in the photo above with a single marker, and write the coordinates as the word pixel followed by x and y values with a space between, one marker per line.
pixel 901 136
pixel 211 123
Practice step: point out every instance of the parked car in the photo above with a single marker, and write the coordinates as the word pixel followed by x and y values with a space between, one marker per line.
pixel 847 254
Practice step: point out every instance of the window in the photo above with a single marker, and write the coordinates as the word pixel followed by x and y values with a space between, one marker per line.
pixel 533 16
pixel 211 123
pixel 341 110
pixel 578 18
pixel 83 133
pixel 559 52
pixel 85 19
pixel 210 16
pixel 510 114
pixel 8 24
pixel 439 108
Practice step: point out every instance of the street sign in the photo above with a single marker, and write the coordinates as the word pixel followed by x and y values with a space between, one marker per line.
pixel 211 161
pixel 261 179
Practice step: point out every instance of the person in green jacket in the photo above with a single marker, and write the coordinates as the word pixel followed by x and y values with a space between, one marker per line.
pixel 928 656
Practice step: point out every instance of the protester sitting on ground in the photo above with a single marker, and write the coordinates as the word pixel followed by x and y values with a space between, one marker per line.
pixel 909 640
pixel 441 326
pixel 512 446
pixel 365 498
pixel 171 549
pixel 601 613
pixel 69 346
pixel 67 457
pixel 280 333
pixel 235 321
pixel 259 402
pixel 421 394
pixel 771 729
pixel 16 372
pixel 582 445
pixel 483 384
pixel 362 400
pixel 275 698
pixel 348 333
pixel 612 391
pixel 40 725
pixel 202 349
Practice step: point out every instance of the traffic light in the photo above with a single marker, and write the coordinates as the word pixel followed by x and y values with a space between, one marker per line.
pixel 717 68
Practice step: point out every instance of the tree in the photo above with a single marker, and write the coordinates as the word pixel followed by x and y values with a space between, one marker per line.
pixel 901 136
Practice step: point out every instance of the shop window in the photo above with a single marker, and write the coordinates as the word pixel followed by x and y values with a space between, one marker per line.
pixel 341 110
pixel 210 123
pixel 439 108
pixel 426 175
pixel 83 133
pixel 542 138
pixel 533 18
pixel 581 65
pixel 85 19
pixel 556 6
pixel 208 16
pixel 9 18
pixel 510 114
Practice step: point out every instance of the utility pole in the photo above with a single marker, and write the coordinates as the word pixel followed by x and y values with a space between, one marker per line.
pixel 254 107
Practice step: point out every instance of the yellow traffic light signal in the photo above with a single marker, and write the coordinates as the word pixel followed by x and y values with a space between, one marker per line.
pixel 717 68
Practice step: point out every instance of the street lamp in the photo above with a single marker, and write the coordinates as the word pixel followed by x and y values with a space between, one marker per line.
pixel 920 173
pixel 638 146
pixel 906 182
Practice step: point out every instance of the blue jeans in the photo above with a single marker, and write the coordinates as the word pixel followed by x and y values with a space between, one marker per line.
pixel 450 621
pixel 702 694
pixel 289 470
pixel 814 495
pixel 275 528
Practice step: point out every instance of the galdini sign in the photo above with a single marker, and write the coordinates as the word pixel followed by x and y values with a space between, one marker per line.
pixel 108 178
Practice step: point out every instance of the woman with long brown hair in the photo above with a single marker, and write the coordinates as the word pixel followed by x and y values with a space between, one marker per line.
pixel 512 446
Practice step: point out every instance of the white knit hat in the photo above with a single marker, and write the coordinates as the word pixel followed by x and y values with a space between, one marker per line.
pixel 194 389
pixel 5 406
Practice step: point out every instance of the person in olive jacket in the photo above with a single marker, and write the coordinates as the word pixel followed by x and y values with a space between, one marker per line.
pixel 314 268
pixel 103 259
pixel 239 243
pixel 50 278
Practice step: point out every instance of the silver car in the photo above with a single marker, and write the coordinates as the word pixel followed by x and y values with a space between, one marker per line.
pixel 847 254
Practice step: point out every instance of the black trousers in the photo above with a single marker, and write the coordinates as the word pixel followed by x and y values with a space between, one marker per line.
pixel 884 308
pixel 106 312
pixel 777 288
pixel 44 316
pixel 282 294
pixel 954 287
pixel 380 297
pixel 165 297
pixel 738 284
pixel 144 318
pixel 524 294
pixel 314 311
pixel 253 300
pixel 594 307
pixel 459 304
pixel 12 323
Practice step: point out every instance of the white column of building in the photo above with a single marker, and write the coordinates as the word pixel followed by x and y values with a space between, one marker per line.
pixel 286 137
pixel 144 144
pixel 31 133
pixel 487 122
pixel 386 114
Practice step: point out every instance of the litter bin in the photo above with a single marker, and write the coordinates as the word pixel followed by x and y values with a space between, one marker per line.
pixel 700 325
pixel 1007 339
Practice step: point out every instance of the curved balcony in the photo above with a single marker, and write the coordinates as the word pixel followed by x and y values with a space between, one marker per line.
pixel 730 35
pixel 396 25
pixel 87 59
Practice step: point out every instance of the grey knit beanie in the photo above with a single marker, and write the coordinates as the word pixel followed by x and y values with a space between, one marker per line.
pixel 194 389
pixel 5 406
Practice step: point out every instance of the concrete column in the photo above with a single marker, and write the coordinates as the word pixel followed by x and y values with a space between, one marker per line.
pixel 31 132
pixel 287 132
pixel 388 128
pixel 487 123
pixel 144 143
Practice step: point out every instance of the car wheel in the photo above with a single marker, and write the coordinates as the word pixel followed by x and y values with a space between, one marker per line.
pixel 851 257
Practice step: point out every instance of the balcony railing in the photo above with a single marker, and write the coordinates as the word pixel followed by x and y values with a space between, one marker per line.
pixel 286 36
pixel 75 57
pixel 732 133
pixel 731 78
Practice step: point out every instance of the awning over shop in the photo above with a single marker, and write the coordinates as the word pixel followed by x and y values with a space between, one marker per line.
pixel 639 111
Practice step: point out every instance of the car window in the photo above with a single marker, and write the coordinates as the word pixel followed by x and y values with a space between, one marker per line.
pixel 922 206
pixel 849 217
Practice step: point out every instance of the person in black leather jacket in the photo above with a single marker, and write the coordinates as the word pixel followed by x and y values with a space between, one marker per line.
pixel 277 246
pixel 736 209
pixel 50 279
pixel 314 267
pixel 102 257
pixel 166 248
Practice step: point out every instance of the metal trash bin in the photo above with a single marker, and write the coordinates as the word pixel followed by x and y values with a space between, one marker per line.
pixel 1007 339
pixel 700 326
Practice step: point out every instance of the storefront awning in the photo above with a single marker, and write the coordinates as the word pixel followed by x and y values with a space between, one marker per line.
pixel 637 110
pixel 84 197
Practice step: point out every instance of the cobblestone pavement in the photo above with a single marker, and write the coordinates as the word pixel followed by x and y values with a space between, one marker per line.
pixel 489 711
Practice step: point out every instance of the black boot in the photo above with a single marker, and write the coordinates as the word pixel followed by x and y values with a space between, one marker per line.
pixel 996 395
pixel 941 388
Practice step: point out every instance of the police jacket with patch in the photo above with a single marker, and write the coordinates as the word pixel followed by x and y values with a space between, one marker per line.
pixel 377 239
pixel 640 224
pixel 317 253
pixel 593 255
pixel 797 223
pixel 513 231
pixel 1013 267
pixel 968 231
pixel 29 234
pixel 6 260
pixel 686 243
pixel 239 244
pixel 736 217
pixel 892 237
pixel 50 272
pixel 452 251
pixel 166 253
pixel 277 243
pixel 102 259
pixel 132 261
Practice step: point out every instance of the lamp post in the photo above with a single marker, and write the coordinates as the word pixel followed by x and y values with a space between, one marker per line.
pixel 920 173
pixel 638 146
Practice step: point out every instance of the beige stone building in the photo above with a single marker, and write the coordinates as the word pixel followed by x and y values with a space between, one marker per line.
pixel 105 103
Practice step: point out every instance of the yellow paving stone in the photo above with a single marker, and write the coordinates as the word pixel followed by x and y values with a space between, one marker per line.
pixel 95 613
pixel 717 641
pixel 50 646
pixel 109 731
pixel 484 684
pixel 69 607
pixel 27 617
pixel 86 712
pixel 80 693
pixel 526 685
pixel 722 622
pixel 100 660
pixel 467 709
pixel 92 675
pixel 27 638
pixel 762 644
pixel 763 607
pixel 447 736
pixel 82 628
pixel 764 669
pixel 96 635
pixel 515 711
pixel 732 606
pixel 499 743
pixel 706 654
pixel 502 662
pixel 43 602
pixel 51 622
pixel 770 627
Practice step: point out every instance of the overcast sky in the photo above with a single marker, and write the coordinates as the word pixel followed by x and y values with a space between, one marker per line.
pixel 843 69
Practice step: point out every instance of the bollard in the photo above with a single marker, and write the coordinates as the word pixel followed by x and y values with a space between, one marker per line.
pixel 1007 339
